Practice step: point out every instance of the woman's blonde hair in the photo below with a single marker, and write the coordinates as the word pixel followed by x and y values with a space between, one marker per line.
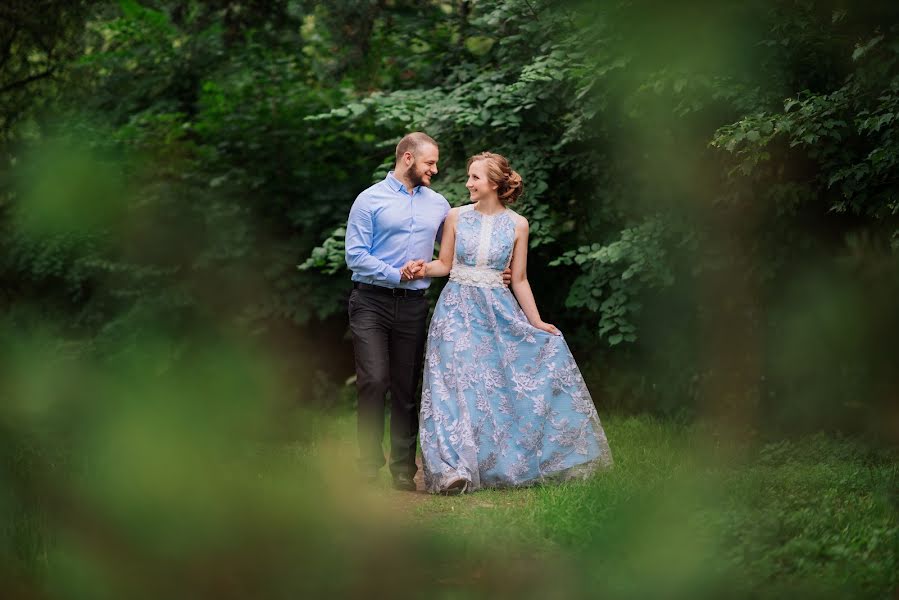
pixel 508 182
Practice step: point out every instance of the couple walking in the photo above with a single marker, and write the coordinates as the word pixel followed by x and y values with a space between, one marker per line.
pixel 503 403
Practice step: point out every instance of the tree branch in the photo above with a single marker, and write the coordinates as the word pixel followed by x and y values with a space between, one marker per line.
pixel 533 12
pixel 26 81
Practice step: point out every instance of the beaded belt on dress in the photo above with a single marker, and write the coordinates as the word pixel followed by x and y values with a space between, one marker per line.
pixel 484 277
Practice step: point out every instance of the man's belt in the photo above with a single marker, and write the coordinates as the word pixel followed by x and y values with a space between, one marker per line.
pixel 396 292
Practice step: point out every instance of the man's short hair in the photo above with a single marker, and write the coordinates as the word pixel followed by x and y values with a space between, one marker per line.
pixel 412 142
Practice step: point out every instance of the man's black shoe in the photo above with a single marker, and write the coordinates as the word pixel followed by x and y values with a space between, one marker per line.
pixel 404 482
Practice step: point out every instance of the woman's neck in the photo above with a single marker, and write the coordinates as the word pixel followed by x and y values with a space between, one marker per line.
pixel 489 206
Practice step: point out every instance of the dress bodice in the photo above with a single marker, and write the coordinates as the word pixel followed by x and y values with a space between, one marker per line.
pixel 483 247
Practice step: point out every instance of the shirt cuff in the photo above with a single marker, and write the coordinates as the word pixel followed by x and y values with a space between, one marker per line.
pixel 393 276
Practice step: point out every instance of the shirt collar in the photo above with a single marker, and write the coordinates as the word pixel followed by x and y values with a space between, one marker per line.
pixel 398 186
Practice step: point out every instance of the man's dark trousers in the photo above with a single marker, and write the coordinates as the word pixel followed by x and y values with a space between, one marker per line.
pixel 388 341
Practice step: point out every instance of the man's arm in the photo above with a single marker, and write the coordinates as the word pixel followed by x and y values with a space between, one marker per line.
pixel 358 246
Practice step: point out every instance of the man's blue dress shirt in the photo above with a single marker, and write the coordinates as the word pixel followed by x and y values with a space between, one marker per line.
pixel 388 227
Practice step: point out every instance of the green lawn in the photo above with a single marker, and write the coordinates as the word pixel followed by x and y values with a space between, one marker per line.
pixel 680 515
pixel 684 514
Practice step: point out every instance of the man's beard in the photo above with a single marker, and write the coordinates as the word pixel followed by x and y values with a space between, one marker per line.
pixel 417 179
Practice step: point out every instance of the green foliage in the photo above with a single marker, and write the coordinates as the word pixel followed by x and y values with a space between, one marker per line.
pixel 699 168
pixel 37 42
pixel 711 191
pixel 845 132
pixel 331 256
pixel 605 285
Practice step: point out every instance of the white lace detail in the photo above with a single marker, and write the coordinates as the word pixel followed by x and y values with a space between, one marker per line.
pixel 477 276
pixel 484 241
pixel 480 275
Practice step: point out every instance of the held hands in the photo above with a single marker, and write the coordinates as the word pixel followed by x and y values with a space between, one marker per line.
pixel 414 269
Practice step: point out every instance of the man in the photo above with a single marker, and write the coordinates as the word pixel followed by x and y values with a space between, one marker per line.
pixel 391 229
pixel 392 225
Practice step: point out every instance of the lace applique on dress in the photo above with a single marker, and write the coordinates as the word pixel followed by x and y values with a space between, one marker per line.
pixel 503 403
pixel 483 248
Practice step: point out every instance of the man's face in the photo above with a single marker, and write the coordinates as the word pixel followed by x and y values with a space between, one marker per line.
pixel 424 166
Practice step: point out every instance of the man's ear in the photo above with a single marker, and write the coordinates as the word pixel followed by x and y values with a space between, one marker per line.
pixel 408 158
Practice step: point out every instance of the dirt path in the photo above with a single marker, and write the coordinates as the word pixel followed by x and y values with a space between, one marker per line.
pixel 408 502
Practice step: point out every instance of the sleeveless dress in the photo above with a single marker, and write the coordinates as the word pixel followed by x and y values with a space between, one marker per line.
pixel 503 403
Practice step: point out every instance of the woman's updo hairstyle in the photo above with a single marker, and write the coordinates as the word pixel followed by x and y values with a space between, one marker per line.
pixel 508 182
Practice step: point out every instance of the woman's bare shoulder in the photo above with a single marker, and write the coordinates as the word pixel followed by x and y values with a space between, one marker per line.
pixel 454 212
pixel 521 223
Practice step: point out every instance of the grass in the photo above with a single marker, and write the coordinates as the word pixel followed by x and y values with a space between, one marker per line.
pixel 679 515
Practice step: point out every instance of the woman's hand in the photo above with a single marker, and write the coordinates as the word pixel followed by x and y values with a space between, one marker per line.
pixel 414 269
pixel 547 327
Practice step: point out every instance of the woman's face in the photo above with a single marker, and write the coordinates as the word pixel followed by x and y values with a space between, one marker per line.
pixel 478 185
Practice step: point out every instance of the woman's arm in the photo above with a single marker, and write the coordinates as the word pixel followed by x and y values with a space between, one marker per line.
pixel 520 286
pixel 441 267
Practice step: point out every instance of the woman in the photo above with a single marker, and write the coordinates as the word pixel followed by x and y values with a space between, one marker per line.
pixel 503 402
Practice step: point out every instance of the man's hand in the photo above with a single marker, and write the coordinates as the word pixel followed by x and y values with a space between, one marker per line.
pixel 414 269
pixel 507 276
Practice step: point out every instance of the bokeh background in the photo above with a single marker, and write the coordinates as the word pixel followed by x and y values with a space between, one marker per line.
pixel 713 192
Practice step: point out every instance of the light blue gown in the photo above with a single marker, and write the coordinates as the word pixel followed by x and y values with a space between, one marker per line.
pixel 503 403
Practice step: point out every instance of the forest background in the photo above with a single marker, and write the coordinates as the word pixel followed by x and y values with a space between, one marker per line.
pixel 712 187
